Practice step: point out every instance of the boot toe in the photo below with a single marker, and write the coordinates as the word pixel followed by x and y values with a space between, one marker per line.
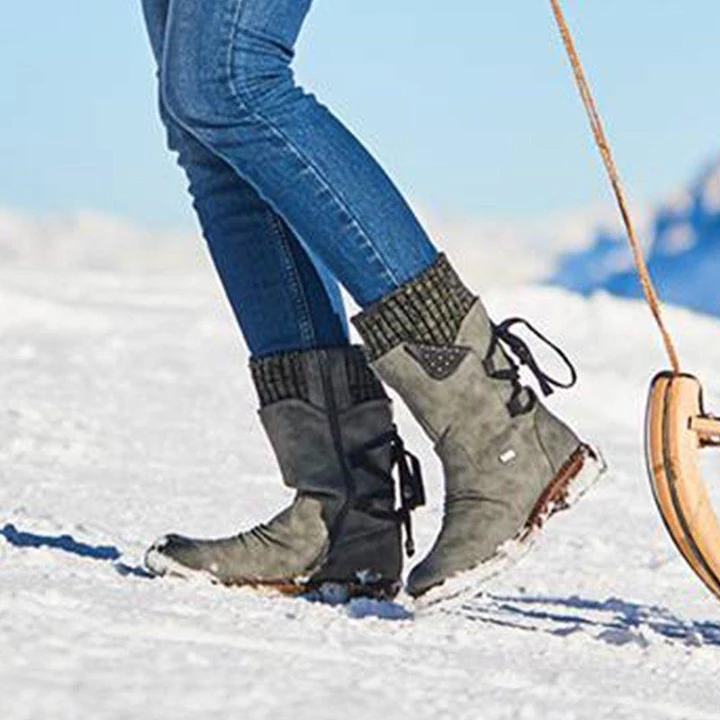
pixel 435 570
pixel 171 554
pixel 421 579
pixel 472 535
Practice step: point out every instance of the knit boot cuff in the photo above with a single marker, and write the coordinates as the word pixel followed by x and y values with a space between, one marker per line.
pixel 428 310
pixel 285 376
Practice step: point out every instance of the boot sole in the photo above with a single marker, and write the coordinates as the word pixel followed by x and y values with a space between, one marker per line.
pixel 582 470
pixel 332 592
pixel 337 593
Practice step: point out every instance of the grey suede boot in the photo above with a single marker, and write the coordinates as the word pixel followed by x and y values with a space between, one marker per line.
pixel 330 424
pixel 508 462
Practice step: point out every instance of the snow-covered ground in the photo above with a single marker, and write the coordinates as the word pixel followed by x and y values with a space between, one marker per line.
pixel 126 412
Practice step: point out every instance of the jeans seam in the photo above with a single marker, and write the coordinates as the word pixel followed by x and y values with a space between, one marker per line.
pixel 301 299
pixel 274 225
pixel 307 326
pixel 244 101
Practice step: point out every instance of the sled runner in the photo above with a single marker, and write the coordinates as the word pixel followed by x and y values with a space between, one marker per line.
pixel 677 427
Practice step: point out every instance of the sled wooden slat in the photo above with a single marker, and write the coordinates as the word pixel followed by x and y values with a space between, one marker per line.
pixel 675 428
pixel 707 428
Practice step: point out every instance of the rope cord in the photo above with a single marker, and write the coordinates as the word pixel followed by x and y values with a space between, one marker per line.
pixel 651 295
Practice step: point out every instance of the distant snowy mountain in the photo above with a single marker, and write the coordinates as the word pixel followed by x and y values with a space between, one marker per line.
pixel 683 252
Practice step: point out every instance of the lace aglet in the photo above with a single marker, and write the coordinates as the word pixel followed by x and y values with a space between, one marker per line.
pixel 547 389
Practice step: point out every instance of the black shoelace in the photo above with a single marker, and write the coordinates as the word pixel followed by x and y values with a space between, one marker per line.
pixel 409 480
pixel 519 348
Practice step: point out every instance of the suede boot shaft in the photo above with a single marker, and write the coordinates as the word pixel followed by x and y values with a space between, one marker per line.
pixel 321 410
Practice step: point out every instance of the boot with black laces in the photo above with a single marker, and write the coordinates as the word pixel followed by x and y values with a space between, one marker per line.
pixel 330 424
pixel 509 463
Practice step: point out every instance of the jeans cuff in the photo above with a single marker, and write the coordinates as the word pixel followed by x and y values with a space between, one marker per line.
pixel 427 310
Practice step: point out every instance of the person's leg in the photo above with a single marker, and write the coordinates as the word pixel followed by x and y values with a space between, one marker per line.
pixel 283 299
pixel 326 415
pixel 508 462
pixel 226 78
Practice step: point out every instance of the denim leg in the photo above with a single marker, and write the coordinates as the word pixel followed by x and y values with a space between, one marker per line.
pixel 226 78
pixel 282 298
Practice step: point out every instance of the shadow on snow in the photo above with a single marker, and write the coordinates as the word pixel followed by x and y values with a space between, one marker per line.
pixel 613 621
pixel 67 543
pixel 357 608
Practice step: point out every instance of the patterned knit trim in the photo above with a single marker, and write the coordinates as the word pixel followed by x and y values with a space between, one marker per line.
pixel 280 377
pixel 363 384
pixel 427 310
pixel 283 376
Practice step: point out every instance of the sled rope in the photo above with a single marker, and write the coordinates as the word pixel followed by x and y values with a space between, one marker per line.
pixel 601 140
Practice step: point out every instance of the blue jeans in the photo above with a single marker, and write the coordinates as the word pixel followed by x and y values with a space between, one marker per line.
pixel 289 201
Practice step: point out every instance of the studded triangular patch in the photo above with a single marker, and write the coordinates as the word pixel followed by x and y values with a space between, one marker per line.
pixel 438 362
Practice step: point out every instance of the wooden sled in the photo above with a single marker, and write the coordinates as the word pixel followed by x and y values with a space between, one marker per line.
pixel 677 429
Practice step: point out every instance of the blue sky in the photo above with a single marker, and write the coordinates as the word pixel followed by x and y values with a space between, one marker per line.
pixel 468 104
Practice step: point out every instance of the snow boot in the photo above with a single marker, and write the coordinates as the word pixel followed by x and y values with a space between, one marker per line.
pixel 508 462
pixel 330 424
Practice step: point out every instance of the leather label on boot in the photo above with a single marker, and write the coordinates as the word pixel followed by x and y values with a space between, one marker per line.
pixel 438 362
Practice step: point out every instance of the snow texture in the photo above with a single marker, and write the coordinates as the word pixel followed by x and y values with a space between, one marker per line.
pixel 683 252
pixel 127 412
